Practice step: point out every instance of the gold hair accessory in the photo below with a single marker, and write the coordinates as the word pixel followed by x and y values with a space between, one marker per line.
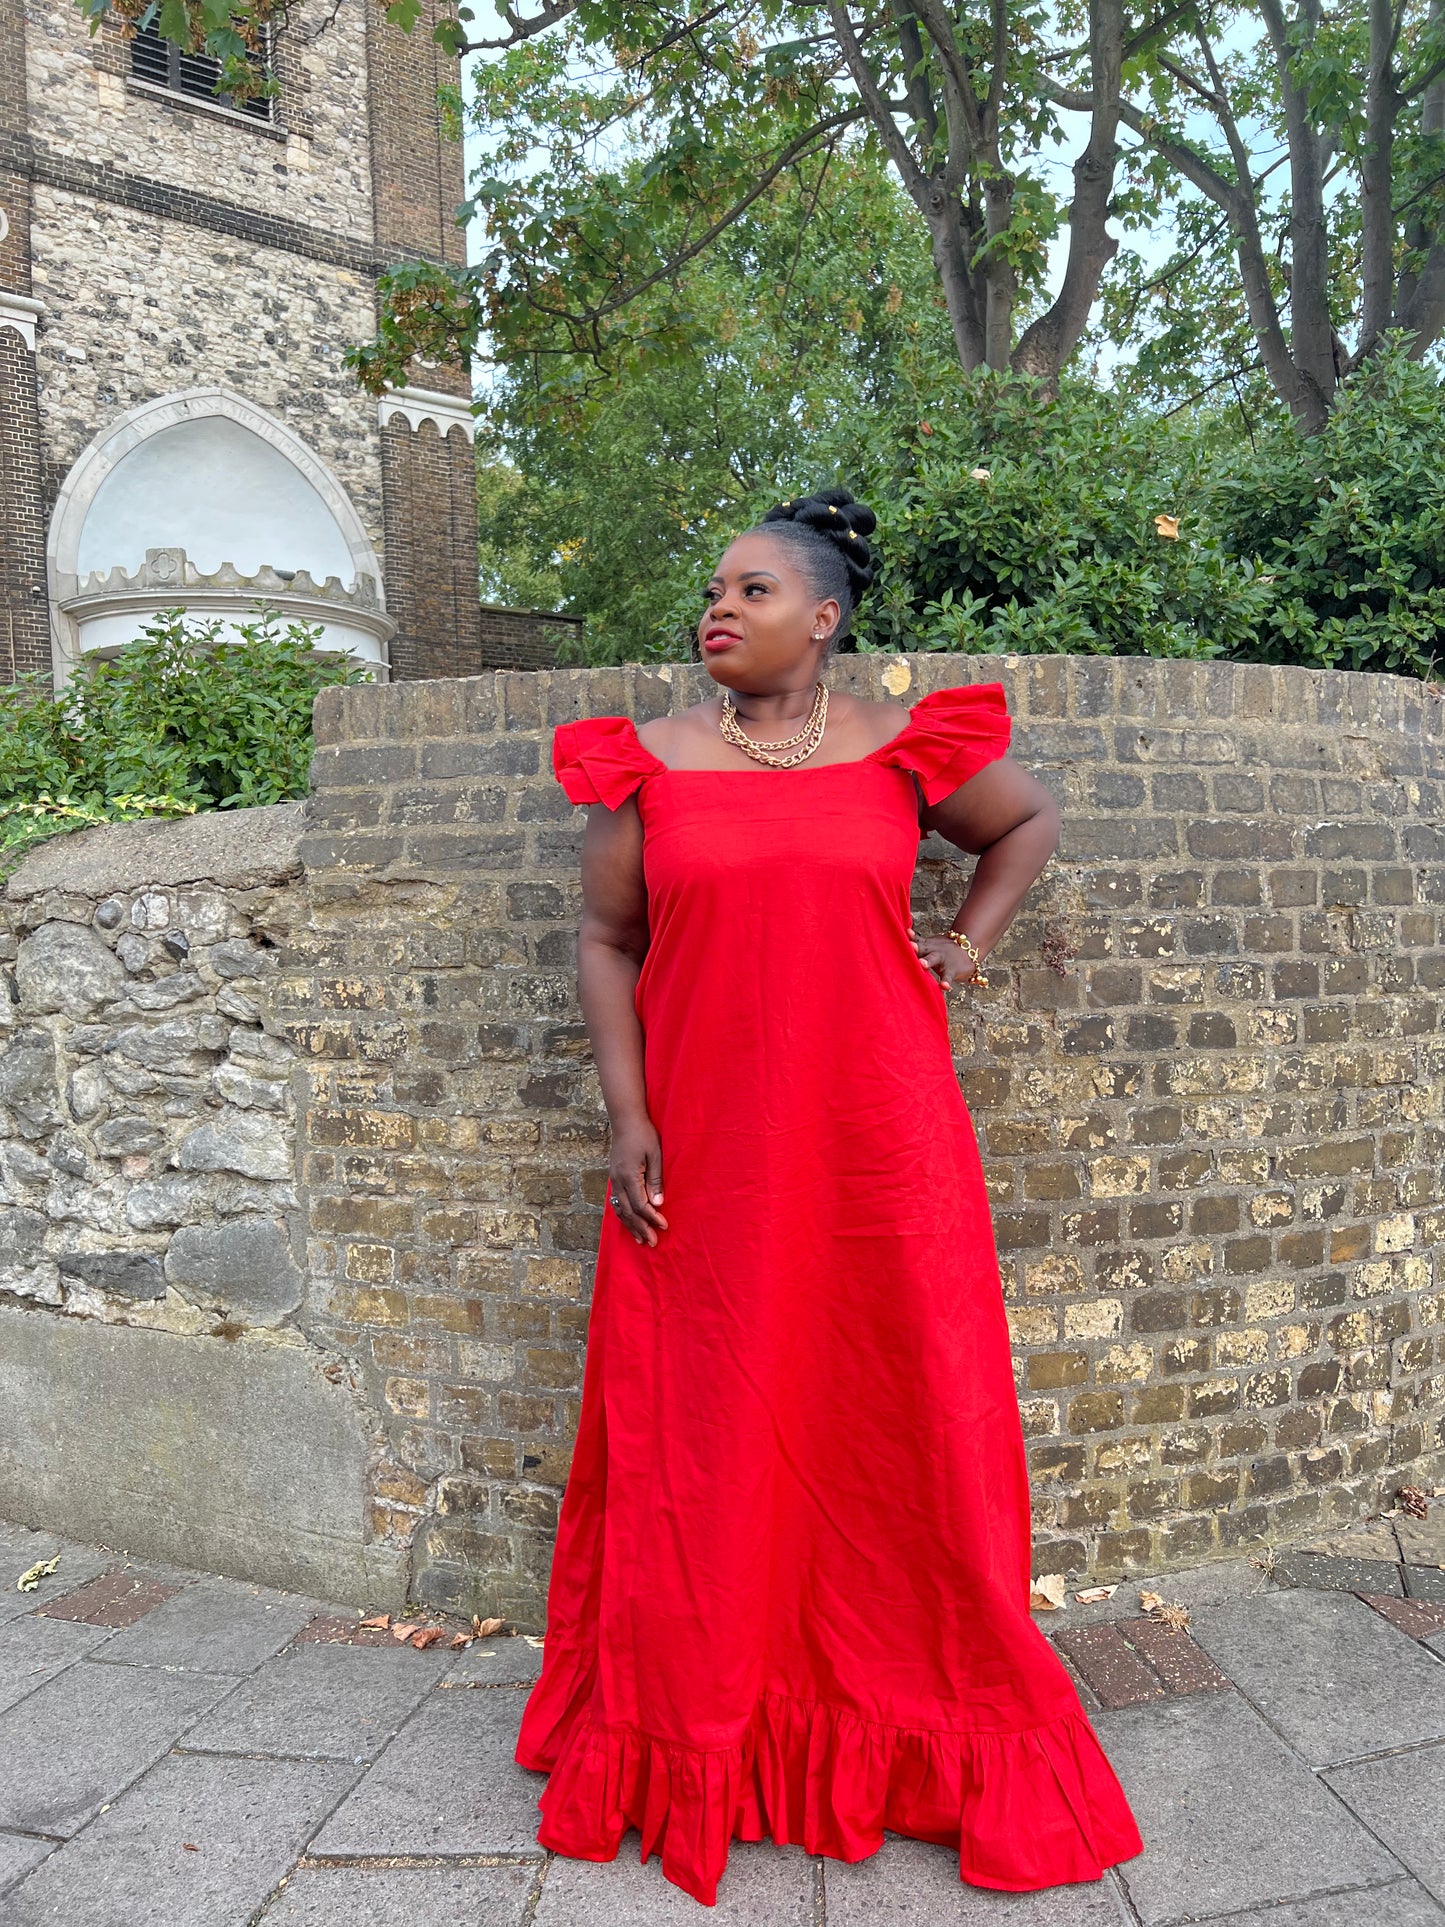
pixel 967 943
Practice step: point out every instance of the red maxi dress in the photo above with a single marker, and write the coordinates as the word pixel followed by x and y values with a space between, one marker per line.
pixel 789 1595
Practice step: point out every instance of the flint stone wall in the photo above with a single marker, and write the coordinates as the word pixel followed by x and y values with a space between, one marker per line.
pixel 1207 1078
pixel 158 1388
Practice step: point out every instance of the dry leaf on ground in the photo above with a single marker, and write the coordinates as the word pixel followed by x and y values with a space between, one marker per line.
pixel 460 1639
pixel 404 1628
pixel 28 1581
pixel 1047 1592
pixel 428 1636
pixel 1414 1501
pixel 532 1639
pixel 382 1620
pixel 484 1628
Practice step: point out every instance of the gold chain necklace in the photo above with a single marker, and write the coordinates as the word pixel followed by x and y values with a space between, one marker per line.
pixel 809 736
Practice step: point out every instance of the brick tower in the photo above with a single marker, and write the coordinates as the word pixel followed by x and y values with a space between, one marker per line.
pixel 179 278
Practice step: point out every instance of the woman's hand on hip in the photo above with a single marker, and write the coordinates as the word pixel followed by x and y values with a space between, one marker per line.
pixel 949 962
pixel 636 1174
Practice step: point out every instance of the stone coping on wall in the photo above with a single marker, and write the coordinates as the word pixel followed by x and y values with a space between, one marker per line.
pixel 235 849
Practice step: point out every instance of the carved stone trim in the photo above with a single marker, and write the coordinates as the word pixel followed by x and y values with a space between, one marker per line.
pixel 20 312
pixel 418 405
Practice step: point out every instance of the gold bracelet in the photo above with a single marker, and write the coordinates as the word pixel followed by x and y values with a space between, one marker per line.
pixel 967 943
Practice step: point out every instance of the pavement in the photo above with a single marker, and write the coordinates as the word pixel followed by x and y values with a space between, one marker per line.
pixel 177 1748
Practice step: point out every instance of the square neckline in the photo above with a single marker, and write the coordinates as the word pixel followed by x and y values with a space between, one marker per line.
pixel 853 762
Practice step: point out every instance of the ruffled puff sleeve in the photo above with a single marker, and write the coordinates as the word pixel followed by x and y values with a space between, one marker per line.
pixel 951 735
pixel 600 759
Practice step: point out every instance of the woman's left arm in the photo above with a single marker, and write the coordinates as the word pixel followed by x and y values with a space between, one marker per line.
pixel 1010 821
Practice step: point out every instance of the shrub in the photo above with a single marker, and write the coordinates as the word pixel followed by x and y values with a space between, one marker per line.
pixel 183 719
pixel 1348 527
pixel 1015 523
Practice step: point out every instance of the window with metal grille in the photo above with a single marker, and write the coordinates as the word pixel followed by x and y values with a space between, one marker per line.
pixel 164 64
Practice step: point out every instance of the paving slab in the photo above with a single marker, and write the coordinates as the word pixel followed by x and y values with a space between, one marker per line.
pixel 1424 1582
pixel 1403 1798
pixel 22 1550
pixel 495 1662
pixel 404 1897
pixel 19 1852
pixel 1422 1541
pixel 447 1784
pixel 1117 1674
pixel 199 1842
pixel 1369 1539
pixel 1325 1572
pixel 117 1598
pixel 1417 1617
pixel 1335 1677
pixel 320 1703
pixel 909 1883
pixel 1201 1586
pixel 1229 1815
pixel 1403 1903
pixel 215 1626
pixel 35 1650
pixel 763 1885
pixel 80 1739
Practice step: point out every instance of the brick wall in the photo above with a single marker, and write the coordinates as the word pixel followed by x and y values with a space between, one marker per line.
pixel 429 487
pixel 24 619
pixel 1207 1078
pixel 24 612
pixel 416 166
pixel 526 638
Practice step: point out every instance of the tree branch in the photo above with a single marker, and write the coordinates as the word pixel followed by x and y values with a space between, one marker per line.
pixel 1049 342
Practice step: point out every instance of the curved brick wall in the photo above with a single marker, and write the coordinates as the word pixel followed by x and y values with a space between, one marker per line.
pixel 1208 1082
pixel 1207 1078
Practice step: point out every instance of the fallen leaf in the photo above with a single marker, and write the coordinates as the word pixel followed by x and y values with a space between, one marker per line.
pixel 1413 1501
pixel 980 475
pixel 428 1636
pixel 1174 1617
pixel 404 1629
pixel 1047 1592
pixel 28 1581
pixel 484 1628
pixel 1091 1593
pixel 383 1620
pixel 188 1847
pixel 1167 527
pixel 925 428
pixel 460 1639
pixel 1149 1600
pixel 532 1639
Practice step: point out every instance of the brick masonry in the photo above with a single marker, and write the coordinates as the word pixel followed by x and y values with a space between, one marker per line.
pixel 178 246
pixel 1207 1079
pixel 430 491
pixel 524 638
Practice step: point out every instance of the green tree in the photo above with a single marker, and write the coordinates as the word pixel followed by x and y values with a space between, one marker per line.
pixel 773 358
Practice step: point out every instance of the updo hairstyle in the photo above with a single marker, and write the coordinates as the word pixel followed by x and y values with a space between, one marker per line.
pixel 828 534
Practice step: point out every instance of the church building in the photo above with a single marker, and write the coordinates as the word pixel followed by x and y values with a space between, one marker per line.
pixel 180 276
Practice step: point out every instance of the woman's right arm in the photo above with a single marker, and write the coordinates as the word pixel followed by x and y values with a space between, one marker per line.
pixel 612 941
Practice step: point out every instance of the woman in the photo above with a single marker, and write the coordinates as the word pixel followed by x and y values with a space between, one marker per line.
pixel 790 1589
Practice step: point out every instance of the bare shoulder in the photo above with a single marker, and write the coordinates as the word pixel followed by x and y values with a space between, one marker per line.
pixel 881 721
pixel 662 733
